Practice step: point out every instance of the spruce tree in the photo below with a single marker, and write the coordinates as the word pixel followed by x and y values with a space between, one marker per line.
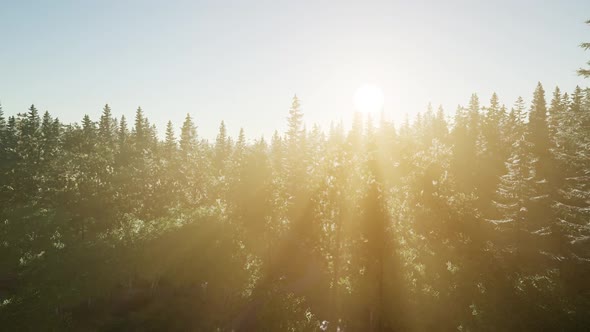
pixel 295 124
pixel 106 130
pixel 123 132
pixel 585 72
pixel 539 133
pixel 141 134
pixel 89 134
pixel 31 123
pixel 277 152
pixel 4 149
pixel 222 148
pixel 170 139
pixel 28 144
pixel 464 136
pixel 440 127
pixel 188 137
pixel 556 109
pixel 573 163
pixel 3 134
pixel 239 150
pixel 50 136
pixel 492 151
pixel 2 123
pixel 139 128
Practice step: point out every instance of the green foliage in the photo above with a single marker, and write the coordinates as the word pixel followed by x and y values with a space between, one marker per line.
pixel 477 224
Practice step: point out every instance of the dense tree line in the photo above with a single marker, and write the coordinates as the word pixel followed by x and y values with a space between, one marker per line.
pixel 476 222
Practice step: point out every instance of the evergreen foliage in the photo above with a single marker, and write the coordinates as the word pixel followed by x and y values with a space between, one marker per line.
pixel 481 224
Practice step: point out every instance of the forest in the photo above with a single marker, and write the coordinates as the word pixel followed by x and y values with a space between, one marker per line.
pixel 470 221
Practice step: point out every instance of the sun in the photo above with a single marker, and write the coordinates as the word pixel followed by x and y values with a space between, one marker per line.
pixel 368 99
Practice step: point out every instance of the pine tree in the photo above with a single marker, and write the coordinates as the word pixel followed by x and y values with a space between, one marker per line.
pixel 50 136
pixel 188 137
pixel 514 127
pixel 11 132
pixel 465 135
pixel 492 152
pixel 2 123
pixel 222 149
pixel 106 128
pixel 170 140
pixel 474 115
pixel 142 136
pixel 139 129
pixel 32 123
pixel 193 166
pixel 28 144
pixel 538 138
pixel 586 46
pixel 123 146
pixel 295 158
pixel 240 149
pixel 3 134
pixel 575 105
pixel 294 140
pixel 4 148
pixel 89 135
pixel 277 152
pixel 9 144
pixel 440 127
pixel 153 137
pixel 556 110
pixel 572 156
pixel 46 124
pixel 539 133
pixel 316 152
pixel 493 119
pixel 123 132
pixel 295 124
pixel 516 187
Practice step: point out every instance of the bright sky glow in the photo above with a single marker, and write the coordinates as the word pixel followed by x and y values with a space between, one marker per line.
pixel 368 99
pixel 242 61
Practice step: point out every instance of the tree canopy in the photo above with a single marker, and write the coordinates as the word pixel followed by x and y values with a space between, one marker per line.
pixel 480 223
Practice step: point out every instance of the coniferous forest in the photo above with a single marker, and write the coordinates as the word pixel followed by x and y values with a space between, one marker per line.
pixel 473 221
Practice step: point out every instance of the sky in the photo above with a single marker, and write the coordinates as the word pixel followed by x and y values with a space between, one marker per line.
pixel 242 61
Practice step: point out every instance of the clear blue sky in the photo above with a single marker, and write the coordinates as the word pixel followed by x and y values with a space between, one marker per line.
pixel 242 61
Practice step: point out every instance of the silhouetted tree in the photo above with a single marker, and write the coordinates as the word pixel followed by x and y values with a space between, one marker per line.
pixel 582 71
